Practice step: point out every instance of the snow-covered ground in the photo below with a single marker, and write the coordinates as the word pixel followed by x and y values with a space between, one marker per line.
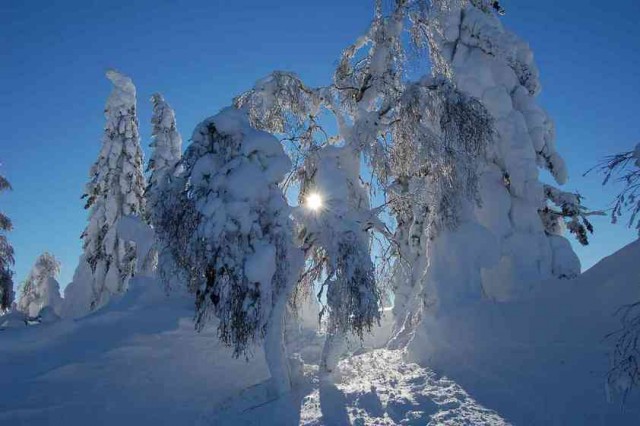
pixel 542 360
pixel 374 388
pixel 135 362
pixel 139 361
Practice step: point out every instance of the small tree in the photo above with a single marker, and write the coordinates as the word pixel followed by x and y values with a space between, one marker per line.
pixel 162 202
pixel 241 259
pixel 115 190
pixel 6 256
pixel 41 289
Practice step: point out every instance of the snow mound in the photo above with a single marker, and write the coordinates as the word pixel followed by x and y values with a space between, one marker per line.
pixel 542 360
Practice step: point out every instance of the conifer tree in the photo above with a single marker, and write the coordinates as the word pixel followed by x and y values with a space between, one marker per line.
pixel 41 289
pixel 162 202
pixel 115 189
pixel 241 260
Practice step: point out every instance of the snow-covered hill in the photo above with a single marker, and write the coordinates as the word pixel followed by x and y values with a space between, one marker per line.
pixel 139 361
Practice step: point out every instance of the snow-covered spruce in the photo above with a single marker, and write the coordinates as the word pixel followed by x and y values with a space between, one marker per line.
pixel 243 242
pixel 335 237
pixel 116 189
pixel 41 289
pixel 6 256
pixel 165 155
pixel 161 207
pixel 469 43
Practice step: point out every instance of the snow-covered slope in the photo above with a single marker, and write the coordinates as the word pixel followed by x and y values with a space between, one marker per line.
pixel 544 360
pixel 139 361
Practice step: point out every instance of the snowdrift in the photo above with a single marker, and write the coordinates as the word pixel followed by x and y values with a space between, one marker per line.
pixel 136 362
pixel 542 360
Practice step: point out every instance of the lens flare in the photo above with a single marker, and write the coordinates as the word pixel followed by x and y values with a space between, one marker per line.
pixel 314 201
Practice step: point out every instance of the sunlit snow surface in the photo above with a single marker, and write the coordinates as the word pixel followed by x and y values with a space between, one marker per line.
pixel 375 388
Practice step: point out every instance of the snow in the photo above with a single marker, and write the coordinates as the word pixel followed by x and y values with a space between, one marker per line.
pixel 133 228
pixel 543 359
pixel 536 361
pixel 137 361
pixel 489 333
pixel 261 265
pixel 375 388
pixel 124 91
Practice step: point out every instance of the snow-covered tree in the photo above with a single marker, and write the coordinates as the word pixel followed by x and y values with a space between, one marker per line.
pixel 334 219
pixel 6 256
pixel 367 84
pixel 164 167
pixel 165 155
pixel 116 189
pixel 439 141
pixel 469 45
pixel 455 155
pixel 242 260
pixel 41 289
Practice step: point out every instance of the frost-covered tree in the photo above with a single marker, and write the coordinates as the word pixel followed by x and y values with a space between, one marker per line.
pixel 440 137
pixel 164 167
pixel 361 101
pixel 455 155
pixel 624 168
pixel 6 256
pixel 243 264
pixel 116 189
pixel 41 289
pixel 334 219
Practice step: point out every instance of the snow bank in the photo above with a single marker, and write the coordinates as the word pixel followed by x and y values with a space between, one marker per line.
pixel 542 360
pixel 137 361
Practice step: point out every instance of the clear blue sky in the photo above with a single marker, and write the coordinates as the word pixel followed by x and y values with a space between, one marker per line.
pixel 200 54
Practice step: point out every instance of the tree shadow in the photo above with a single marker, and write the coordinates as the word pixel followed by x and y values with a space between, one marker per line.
pixel 333 405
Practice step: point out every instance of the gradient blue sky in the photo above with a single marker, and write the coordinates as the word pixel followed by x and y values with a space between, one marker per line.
pixel 201 53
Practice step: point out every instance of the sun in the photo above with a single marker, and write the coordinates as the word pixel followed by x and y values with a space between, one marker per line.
pixel 314 201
